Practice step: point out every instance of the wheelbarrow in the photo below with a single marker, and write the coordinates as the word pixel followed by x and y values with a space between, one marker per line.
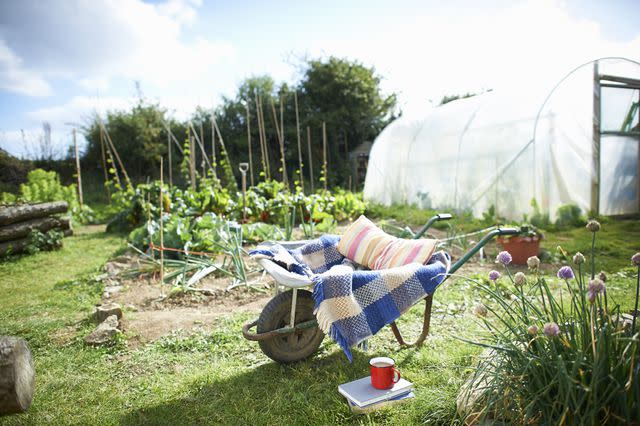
pixel 287 330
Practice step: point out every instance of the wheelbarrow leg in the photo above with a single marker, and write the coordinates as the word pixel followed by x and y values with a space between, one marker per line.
pixel 428 301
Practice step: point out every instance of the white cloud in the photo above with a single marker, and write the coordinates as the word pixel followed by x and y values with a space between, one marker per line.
pixel 124 39
pixel 525 44
pixel 15 78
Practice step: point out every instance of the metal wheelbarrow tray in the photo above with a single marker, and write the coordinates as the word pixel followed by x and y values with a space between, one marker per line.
pixel 287 330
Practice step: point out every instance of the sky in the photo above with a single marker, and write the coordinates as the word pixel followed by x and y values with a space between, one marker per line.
pixel 63 60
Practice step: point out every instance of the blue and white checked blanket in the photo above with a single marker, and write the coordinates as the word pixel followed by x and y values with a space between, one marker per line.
pixel 352 305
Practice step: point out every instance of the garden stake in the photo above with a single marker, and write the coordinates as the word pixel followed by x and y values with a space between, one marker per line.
pixel 295 100
pixel 324 154
pixel 264 165
pixel 161 230
pixel 249 143
pixel 213 147
pixel 75 145
pixel 111 160
pixel 169 165
pixel 104 167
pixel 281 141
pixel 310 159
pixel 115 151
pixel 243 170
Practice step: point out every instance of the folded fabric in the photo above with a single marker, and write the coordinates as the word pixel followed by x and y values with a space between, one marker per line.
pixel 353 305
pixel 366 244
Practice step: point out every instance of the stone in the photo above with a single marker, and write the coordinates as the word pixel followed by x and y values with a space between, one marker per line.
pixel 112 289
pixel 104 332
pixel 106 310
pixel 472 393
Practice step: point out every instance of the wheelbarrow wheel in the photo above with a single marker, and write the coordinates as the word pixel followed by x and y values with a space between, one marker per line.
pixel 294 346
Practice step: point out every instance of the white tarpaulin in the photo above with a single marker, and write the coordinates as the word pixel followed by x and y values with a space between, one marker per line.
pixel 473 153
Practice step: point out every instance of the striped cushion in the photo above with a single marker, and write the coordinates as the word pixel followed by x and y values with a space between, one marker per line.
pixel 366 244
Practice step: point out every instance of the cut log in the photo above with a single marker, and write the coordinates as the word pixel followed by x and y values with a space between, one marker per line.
pixel 17 375
pixel 13 247
pixel 24 212
pixel 19 230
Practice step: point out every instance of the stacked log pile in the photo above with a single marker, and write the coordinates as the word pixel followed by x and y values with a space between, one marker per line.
pixel 17 222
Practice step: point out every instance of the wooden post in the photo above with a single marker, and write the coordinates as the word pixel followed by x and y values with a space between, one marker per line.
pixel 192 160
pixel 161 230
pixel 295 100
pixel 281 142
pixel 213 147
pixel 75 146
pixel 324 154
pixel 204 150
pixel 595 147
pixel 200 143
pixel 264 140
pixel 112 160
pixel 310 158
pixel 264 165
pixel 115 152
pixel 169 149
pixel 104 167
pixel 249 142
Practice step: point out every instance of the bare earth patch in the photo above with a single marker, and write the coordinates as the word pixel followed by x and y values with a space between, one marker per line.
pixel 151 312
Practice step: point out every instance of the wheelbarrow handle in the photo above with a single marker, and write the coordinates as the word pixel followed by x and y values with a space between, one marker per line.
pixel 488 237
pixel 430 222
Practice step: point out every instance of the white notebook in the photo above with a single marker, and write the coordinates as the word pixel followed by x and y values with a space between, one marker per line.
pixel 362 393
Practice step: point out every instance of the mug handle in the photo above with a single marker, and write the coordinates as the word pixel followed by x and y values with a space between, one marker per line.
pixel 396 375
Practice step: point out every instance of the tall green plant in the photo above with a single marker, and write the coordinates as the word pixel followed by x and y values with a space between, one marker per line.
pixel 557 359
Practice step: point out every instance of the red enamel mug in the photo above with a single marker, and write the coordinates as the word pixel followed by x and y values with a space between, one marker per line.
pixel 384 373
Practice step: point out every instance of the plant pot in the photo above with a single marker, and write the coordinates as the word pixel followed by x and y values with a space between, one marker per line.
pixel 520 248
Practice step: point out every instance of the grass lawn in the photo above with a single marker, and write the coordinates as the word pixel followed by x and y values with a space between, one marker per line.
pixel 217 377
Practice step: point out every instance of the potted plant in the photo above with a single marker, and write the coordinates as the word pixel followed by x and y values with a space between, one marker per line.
pixel 522 246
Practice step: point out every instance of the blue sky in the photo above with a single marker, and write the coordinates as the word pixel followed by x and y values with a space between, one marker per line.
pixel 60 61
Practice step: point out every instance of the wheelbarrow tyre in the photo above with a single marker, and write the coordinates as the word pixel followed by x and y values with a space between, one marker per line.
pixel 294 346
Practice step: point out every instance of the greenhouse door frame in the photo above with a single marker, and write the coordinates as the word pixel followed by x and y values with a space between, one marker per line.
pixel 600 81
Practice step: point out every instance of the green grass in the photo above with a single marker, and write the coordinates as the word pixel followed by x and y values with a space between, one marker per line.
pixel 217 377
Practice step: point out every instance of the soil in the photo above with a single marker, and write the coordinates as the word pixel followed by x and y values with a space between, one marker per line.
pixel 152 311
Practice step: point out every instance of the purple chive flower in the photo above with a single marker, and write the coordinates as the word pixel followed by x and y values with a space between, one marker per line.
pixel 494 275
pixel 551 329
pixel 636 259
pixel 565 273
pixel 480 310
pixel 532 330
pixel 504 257
pixel 533 262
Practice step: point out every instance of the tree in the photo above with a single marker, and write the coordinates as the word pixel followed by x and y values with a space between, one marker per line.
pixel 346 95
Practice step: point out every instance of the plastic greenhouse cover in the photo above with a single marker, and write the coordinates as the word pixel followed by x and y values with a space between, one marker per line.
pixel 477 152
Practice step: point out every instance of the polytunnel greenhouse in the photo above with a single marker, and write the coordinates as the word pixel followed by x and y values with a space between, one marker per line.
pixel 576 141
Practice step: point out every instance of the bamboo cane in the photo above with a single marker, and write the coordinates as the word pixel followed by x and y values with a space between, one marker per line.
pixel 295 100
pixel 264 165
pixel 75 146
pixel 115 152
pixel 173 138
pixel 281 141
pixel 104 167
pixel 324 154
pixel 204 151
pixel 264 139
pixel 213 147
pixel 161 229
pixel 201 145
pixel 249 142
pixel 111 159
pixel 192 161
pixel 170 163
pixel 310 158
pixel 222 146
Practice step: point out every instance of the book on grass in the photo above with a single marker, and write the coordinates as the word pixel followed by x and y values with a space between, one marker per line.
pixel 362 393
pixel 356 409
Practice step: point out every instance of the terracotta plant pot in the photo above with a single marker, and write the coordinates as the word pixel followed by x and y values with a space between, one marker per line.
pixel 521 248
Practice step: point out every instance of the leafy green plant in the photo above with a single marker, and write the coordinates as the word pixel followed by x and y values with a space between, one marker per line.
pixel 43 186
pixel 569 216
pixel 44 241
pixel 570 358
